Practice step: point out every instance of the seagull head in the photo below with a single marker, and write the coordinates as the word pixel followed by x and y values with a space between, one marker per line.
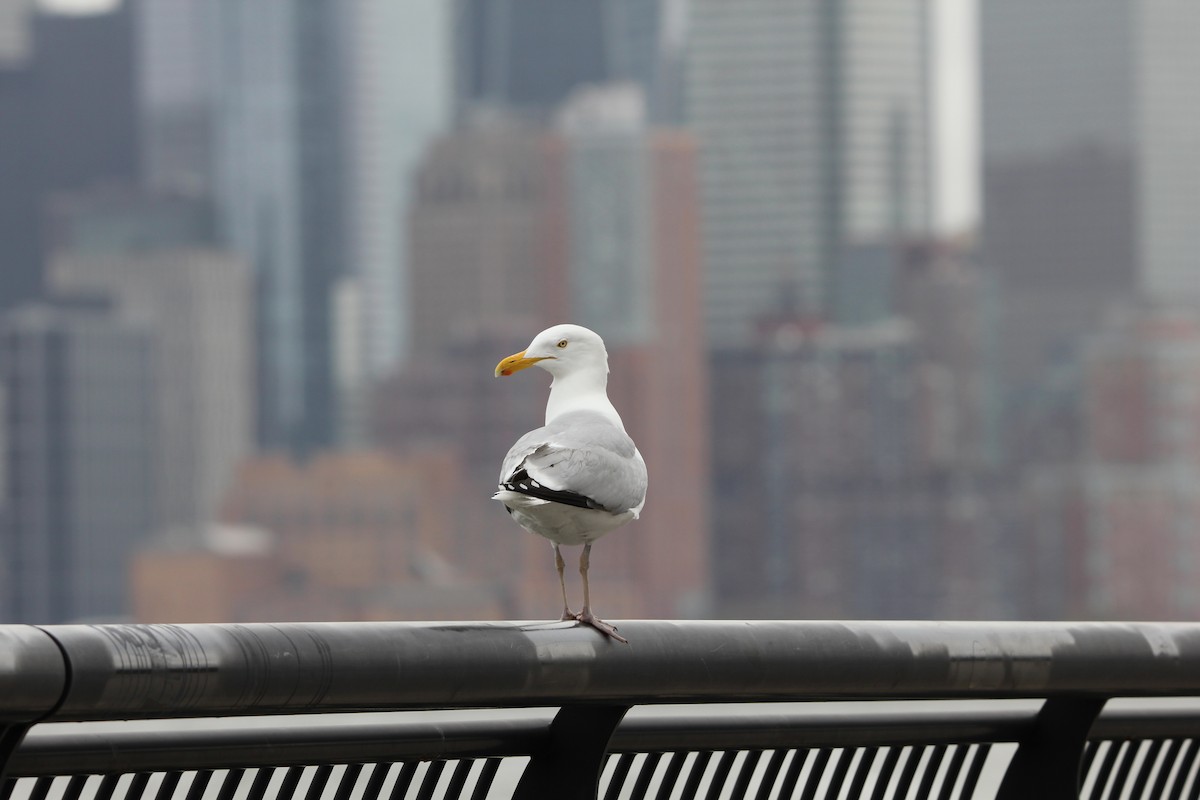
pixel 561 350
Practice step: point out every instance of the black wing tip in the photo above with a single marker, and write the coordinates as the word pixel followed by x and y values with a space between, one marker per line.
pixel 521 483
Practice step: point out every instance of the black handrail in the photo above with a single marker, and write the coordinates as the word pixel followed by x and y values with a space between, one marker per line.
pixel 76 672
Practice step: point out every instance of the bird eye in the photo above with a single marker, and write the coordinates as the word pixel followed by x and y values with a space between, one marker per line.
pixel 562 343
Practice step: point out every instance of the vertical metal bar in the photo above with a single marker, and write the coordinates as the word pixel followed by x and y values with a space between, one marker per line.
pixel 696 773
pixel 1187 757
pixel 291 779
pixel 320 780
pixel 671 774
pixel 348 781
pixel 620 770
pixel 1128 756
pixel 909 772
pixel 1089 755
pixel 1047 762
pixel 229 786
pixel 840 770
pixel 374 787
pixel 820 760
pixel 720 774
pixel 137 787
pixel 74 786
pixel 404 779
pixel 6 787
pixel 792 776
pixel 749 764
pixel 1168 761
pixel 484 782
pixel 952 770
pixel 11 736
pixel 932 765
pixel 258 786
pixel 195 791
pixel 108 783
pixel 979 757
pixel 1106 766
pixel 569 767
pixel 429 783
pixel 770 774
pixel 1142 778
pixel 166 789
pixel 641 787
pixel 41 788
pixel 458 778
pixel 886 770
pixel 869 754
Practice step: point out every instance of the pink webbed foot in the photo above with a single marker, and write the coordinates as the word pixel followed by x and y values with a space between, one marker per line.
pixel 590 619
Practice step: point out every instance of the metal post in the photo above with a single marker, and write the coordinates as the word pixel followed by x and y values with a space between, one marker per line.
pixel 1046 764
pixel 569 766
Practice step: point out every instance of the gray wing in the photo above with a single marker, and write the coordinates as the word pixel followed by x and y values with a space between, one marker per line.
pixel 585 455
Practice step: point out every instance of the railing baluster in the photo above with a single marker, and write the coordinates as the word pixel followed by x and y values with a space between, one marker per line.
pixel 433 773
pixel 646 774
pixel 910 770
pixel 569 766
pixel 1047 762
pixel 886 770
pixel 979 757
pixel 458 778
pixel 349 780
pixel 720 774
pixel 616 782
pixel 932 765
pixel 374 787
pixel 1143 774
pixel 819 761
pixel 670 775
pixel 1169 759
pixel 841 769
pixel 696 773
pixel 869 754
pixel 404 779
pixel 770 774
pixel 486 776
pixel 952 771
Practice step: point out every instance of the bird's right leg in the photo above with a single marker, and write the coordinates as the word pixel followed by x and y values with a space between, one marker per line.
pixel 562 582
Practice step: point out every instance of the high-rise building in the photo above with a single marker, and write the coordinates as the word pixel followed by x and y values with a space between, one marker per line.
pixel 531 54
pixel 79 427
pixel 1090 184
pixel 175 93
pixel 69 123
pixel 397 97
pixel 279 193
pixel 813 124
pixel 475 233
pixel 1113 529
pixel 149 255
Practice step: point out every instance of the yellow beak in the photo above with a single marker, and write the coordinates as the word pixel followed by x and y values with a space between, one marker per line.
pixel 516 362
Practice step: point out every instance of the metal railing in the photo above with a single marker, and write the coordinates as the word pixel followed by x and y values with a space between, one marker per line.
pixel 758 710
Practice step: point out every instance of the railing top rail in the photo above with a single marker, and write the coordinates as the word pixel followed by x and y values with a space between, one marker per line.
pixel 145 671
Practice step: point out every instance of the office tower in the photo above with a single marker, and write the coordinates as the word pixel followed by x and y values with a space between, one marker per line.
pixel 1090 181
pixel 279 195
pixel 149 255
pixel 813 125
pixel 80 404
pixel 1113 531
pixel 531 54
pixel 475 230
pixel 175 92
pixel 69 122
pixel 397 97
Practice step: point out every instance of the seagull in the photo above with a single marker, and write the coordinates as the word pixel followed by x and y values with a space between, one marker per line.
pixel 580 476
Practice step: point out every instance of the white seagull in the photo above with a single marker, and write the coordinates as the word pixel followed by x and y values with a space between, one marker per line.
pixel 580 476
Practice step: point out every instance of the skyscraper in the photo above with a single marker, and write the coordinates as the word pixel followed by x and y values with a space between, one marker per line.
pixel 1091 184
pixel 813 125
pixel 531 54
pixel 397 97
pixel 79 403
pixel 280 190
pixel 150 256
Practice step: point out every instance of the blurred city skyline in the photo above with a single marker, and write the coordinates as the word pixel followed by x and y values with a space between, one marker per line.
pixel 900 298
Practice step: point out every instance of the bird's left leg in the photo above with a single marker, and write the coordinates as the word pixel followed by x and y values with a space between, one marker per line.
pixel 586 616
pixel 558 562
